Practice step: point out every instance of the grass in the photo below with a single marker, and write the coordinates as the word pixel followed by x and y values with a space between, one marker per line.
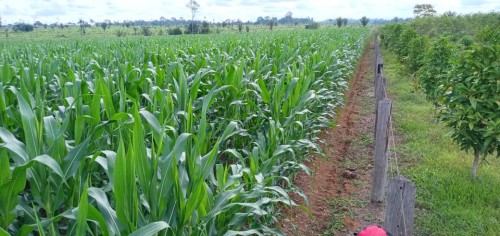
pixel 449 201
pixel 340 210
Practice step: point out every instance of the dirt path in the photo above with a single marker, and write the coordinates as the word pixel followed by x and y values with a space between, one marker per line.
pixel 339 187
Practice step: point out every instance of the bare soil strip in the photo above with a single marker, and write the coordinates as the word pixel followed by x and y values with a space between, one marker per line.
pixel 339 188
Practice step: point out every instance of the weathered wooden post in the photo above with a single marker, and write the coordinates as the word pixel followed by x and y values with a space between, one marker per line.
pixel 380 65
pixel 380 94
pixel 377 55
pixel 380 88
pixel 400 206
pixel 381 150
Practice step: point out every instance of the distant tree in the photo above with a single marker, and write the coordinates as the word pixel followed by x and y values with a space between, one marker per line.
pixel 1 22
pixel 108 23
pixel 344 21
pixel 424 10
pixel 339 21
pixel 396 19
pixel 205 27
pixel 260 21
pixel 364 21
pixel 82 24
pixel 271 23
pixel 38 24
pixel 240 27
pixel 288 19
pixel 229 23
pixel 193 6
pixel 248 28
pixel 163 20
pixel 449 13
pixel 267 19
pixel 104 25
pixel 192 28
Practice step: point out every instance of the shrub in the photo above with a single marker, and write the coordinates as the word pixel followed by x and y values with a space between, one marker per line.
pixel 466 41
pixel 313 25
pixel 22 27
pixel 146 31
pixel 175 31
pixel 120 33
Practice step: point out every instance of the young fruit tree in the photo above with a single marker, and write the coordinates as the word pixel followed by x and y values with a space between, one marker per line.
pixel 472 106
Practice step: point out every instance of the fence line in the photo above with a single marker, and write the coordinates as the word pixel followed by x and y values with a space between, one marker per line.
pixel 400 191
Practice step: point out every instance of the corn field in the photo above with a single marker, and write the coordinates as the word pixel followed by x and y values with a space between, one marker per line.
pixel 189 135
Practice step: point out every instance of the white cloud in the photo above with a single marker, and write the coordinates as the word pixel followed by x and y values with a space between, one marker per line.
pixel 49 11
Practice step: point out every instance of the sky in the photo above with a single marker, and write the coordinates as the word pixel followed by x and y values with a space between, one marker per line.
pixel 63 11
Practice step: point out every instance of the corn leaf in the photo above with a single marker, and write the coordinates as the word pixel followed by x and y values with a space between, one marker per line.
pixel 151 229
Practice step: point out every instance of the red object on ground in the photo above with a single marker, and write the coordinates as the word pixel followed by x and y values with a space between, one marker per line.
pixel 373 231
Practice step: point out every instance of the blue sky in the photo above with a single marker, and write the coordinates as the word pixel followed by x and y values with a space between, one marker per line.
pixel 48 11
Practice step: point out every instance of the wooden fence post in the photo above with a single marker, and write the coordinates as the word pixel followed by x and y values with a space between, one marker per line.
pixel 400 206
pixel 380 65
pixel 380 88
pixel 380 94
pixel 381 150
pixel 377 55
